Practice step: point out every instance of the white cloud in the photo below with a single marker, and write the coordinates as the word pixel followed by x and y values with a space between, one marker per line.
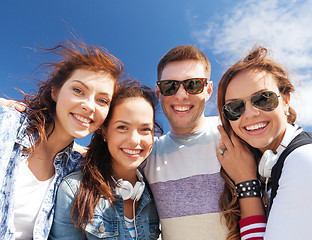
pixel 283 26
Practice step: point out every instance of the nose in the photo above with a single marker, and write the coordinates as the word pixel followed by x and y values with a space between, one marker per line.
pixel 181 93
pixel 88 104
pixel 135 138
pixel 250 111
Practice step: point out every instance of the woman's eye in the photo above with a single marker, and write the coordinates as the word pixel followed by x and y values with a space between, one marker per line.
pixel 147 129
pixel 77 90
pixel 122 127
pixel 103 101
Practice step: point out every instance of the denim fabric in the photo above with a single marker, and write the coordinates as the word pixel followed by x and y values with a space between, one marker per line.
pixel 13 139
pixel 108 222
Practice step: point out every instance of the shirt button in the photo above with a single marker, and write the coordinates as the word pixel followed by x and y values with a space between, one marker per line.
pixel 101 228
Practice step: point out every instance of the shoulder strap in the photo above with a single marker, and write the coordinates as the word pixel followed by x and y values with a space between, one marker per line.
pixel 301 139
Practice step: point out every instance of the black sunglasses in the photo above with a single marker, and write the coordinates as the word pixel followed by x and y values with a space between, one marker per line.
pixel 266 101
pixel 191 86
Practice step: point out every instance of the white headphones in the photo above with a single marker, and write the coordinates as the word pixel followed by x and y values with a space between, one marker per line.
pixel 127 191
pixel 267 162
pixel 269 159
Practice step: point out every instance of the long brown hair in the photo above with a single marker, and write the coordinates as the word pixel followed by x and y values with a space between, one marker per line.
pixel 257 59
pixel 97 166
pixel 40 105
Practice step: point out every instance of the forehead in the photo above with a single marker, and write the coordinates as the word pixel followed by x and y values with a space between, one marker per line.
pixel 102 81
pixel 181 70
pixel 249 82
pixel 135 108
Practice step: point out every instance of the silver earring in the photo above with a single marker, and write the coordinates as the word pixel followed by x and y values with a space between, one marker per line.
pixel 104 139
pixel 287 113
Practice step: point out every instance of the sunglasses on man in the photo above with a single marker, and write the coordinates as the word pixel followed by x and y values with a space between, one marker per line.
pixel 191 86
pixel 265 101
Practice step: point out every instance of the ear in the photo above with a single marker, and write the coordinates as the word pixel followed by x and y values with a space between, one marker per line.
pixel 209 88
pixel 286 101
pixel 104 133
pixel 54 94
pixel 157 91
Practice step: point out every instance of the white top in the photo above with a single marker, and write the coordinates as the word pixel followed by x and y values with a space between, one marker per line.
pixel 30 193
pixel 290 215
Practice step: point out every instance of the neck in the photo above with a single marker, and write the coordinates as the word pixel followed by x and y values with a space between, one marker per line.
pixel 127 175
pixel 41 160
pixel 57 141
pixel 181 131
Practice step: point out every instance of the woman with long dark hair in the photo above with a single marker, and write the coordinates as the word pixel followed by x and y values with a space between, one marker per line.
pixel 259 133
pixel 109 197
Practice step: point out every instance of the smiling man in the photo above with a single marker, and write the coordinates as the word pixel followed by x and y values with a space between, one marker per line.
pixel 183 169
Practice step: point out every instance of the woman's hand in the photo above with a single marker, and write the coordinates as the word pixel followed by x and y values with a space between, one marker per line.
pixel 21 107
pixel 237 160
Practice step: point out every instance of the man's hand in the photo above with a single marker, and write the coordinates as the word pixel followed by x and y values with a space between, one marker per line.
pixel 21 107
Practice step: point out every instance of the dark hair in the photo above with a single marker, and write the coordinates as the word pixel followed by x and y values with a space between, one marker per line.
pixel 97 166
pixel 180 53
pixel 40 106
pixel 256 60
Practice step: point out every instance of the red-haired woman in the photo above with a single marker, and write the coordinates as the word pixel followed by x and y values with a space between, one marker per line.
pixel 36 146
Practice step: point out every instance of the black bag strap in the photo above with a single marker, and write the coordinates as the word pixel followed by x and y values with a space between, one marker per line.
pixel 301 139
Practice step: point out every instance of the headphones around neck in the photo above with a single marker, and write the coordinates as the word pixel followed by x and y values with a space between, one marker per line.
pixel 127 191
pixel 269 158
pixel 267 162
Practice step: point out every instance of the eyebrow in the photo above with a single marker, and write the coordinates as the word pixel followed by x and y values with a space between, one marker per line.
pixel 127 123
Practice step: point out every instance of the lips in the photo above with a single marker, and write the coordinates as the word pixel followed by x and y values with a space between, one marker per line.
pixel 256 126
pixel 181 108
pixel 82 119
pixel 131 151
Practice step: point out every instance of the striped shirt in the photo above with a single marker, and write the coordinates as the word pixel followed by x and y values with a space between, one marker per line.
pixel 130 226
pixel 184 175
pixel 253 227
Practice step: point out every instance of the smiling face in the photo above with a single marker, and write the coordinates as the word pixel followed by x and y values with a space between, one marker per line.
pixel 82 103
pixel 184 111
pixel 261 129
pixel 129 134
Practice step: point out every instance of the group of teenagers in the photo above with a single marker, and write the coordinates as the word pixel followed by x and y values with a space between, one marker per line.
pixel 245 174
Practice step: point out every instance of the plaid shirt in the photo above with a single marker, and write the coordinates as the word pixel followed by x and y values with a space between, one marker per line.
pixel 13 139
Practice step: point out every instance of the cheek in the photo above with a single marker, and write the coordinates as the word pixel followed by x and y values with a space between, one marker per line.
pixel 148 142
pixel 235 126
pixel 102 114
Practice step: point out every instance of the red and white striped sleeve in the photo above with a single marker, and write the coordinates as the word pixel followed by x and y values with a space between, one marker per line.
pixel 253 227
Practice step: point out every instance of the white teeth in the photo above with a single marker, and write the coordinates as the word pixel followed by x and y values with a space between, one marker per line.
pixel 255 127
pixel 131 151
pixel 181 108
pixel 82 119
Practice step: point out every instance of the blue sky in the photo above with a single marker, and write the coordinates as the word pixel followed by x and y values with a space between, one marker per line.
pixel 140 32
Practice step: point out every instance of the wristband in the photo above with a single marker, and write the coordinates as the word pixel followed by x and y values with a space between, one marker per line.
pixel 251 188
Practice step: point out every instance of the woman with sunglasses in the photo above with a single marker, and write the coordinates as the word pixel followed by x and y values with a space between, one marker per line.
pixel 108 198
pixel 36 146
pixel 258 126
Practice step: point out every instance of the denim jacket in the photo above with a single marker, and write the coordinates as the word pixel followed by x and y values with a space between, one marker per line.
pixel 108 222
pixel 13 139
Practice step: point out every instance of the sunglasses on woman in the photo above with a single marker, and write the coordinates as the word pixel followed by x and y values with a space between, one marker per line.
pixel 265 101
pixel 191 86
